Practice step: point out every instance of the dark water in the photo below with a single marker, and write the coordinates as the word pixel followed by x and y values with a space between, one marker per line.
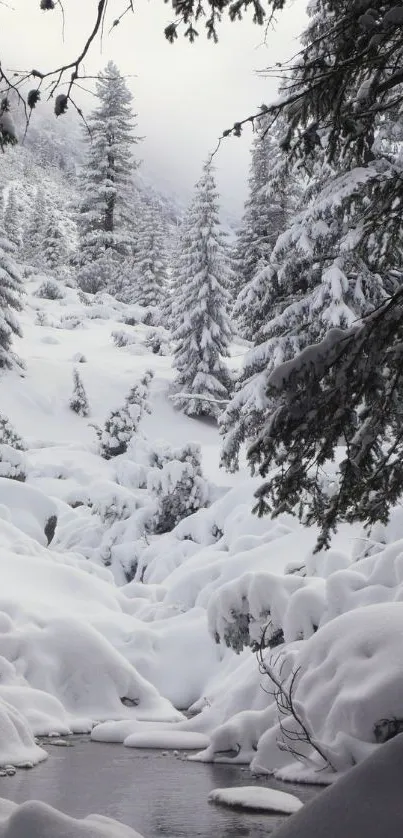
pixel 157 794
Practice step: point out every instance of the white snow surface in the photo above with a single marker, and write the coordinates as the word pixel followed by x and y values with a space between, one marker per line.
pixel 35 818
pixel 256 797
pixel 116 629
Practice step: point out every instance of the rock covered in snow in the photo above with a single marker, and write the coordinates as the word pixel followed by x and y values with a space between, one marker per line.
pixel 256 798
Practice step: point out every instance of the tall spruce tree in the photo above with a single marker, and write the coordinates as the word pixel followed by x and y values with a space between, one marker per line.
pixel 105 236
pixel 313 283
pixel 54 248
pixel 265 209
pixel 150 261
pixel 34 232
pixel 203 329
pixel 348 386
pixel 12 221
pixel 275 190
pixel 10 299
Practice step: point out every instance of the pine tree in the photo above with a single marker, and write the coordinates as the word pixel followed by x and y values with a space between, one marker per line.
pixel 312 284
pixel 347 387
pixel 79 401
pixel 265 209
pixel 275 189
pixel 150 261
pixel 12 223
pixel 35 230
pixel 10 299
pixel 105 238
pixel 54 249
pixel 8 434
pixel 122 423
pixel 203 331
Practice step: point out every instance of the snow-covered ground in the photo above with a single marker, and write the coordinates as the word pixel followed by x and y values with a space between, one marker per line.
pixel 115 628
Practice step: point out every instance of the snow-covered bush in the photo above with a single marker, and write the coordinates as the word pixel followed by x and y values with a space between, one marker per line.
pixel 178 487
pixel 123 422
pixel 41 318
pixel 50 290
pixel 112 502
pixel 79 401
pixel 121 338
pixel 8 434
pixel 12 463
pixel 70 321
pixel 157 340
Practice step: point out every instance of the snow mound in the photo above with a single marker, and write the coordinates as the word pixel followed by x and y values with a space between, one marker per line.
pixel 255 797
pixel 17 745
pixel 37 819
pixel 175 739
pixel 30 510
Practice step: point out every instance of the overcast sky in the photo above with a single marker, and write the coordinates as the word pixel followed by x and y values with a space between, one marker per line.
pixel 185 95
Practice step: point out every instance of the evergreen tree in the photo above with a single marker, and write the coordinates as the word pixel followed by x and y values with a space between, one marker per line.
pixel 122 423
pixel 346 388
pixel 265 209
pixel 274 195
pixel 8 434
pixel 203 331
pixel 35 230
pixel 79 401
pixel 10 299
pixel 312 284
pixel 54 249
pixel 12 223
pixel 150 262
pixel 105 238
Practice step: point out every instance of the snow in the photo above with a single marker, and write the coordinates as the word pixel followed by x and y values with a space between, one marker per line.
pixel 35 818
pixel 115 628
pixel 257 798
pixel 178 740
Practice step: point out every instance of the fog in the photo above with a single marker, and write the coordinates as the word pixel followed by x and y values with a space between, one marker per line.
pixel 184 94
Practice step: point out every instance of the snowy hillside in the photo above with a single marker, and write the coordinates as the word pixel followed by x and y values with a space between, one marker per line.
pixel 81 645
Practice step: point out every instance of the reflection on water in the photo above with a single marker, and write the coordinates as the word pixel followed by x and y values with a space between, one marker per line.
pixel 157 794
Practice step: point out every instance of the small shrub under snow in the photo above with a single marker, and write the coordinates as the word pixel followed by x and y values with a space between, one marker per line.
pixel 123 422
pixel 50 290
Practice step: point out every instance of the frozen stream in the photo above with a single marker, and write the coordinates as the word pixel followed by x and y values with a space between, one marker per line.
pixel 158 794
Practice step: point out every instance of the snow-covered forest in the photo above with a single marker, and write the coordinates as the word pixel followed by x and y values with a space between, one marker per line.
pixel 201 450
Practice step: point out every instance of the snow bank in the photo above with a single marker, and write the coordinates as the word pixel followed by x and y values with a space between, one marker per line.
pixel 29 509
pixel 34 818
pixel 256 798
pixel 17 745
pixel 172 739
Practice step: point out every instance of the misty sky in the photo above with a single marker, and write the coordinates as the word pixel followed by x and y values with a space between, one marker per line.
pixel 185 95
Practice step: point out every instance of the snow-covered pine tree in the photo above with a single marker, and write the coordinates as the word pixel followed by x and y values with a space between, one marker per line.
pixel 275 189
pixel 34 232
pixel 266 207
pixel 313 283
pixel 105 238
pixel 150 261
pixel 178 486
pixel 55 254
pixel 348 387
pixel 8 434
pixel 10 299
pixel 12 221
pixel 79 401
pixel 122 423
pixel 203 330
pixel 171 301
